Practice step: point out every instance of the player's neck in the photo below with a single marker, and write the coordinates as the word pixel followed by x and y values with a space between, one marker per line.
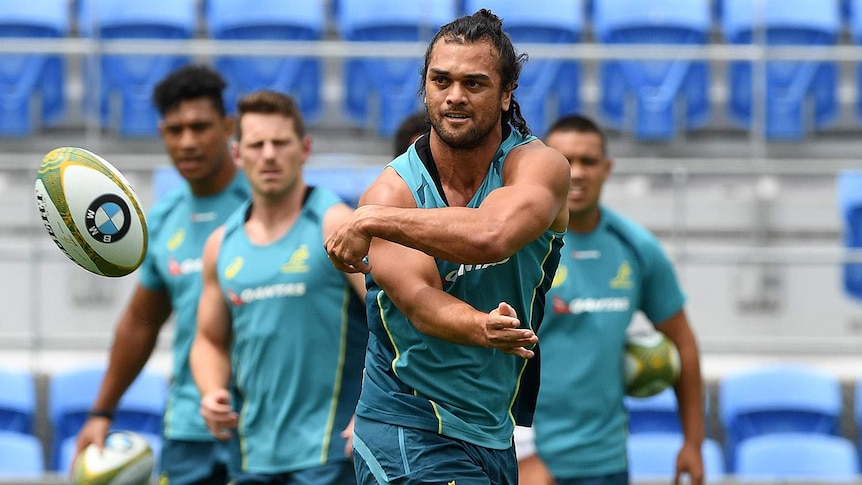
pixel 584 222
pixel 272 217
pixel 215 182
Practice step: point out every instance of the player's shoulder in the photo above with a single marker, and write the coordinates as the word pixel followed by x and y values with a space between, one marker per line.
pixel 166 204
pixel 632 231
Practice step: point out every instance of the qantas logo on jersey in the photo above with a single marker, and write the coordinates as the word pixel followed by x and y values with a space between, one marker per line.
pixel 186 266
pixel 467 268
pixel 266 292
pixel 590 305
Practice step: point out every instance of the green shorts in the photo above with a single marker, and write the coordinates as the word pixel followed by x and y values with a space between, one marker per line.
pixel 388 454
pixel 334 473
pixel 193 463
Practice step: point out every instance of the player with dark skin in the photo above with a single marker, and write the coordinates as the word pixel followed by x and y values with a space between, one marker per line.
pixel 196 133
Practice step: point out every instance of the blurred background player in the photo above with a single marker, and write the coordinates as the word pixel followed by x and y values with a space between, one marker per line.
pixel 410 128
pixel 277 317
pixel 462 235
pixel 580 423
pixel 196 132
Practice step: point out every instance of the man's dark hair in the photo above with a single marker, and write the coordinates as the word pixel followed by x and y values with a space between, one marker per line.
pixel 186 83
pixel 580 124
pixel 270 102
pixel 477 27
pixel 410 127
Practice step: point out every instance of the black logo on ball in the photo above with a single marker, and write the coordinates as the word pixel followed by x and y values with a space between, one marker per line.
pixel 108 218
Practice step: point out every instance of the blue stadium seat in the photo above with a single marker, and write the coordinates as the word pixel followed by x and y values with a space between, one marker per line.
pixel 132 77
pixel 854 27
pixel 659 413
pixel 17 401
pixel 71 394
pixel 849 192
pixel 799 95
pixel 652 456
pixel 547 88
pixel 857 415
pixel 27 77
pixel 654 99
pixel 778 398
pixel 21 456
pixel 392 82
pixel 797 456
pixel 303 20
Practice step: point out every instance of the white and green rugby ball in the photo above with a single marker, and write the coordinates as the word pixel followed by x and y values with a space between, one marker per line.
pixel 91 212
pixel 651 364
pixel 126 459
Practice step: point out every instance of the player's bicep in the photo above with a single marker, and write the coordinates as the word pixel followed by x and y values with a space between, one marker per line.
pixel 533 197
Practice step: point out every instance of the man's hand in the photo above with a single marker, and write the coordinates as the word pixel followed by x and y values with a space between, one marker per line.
pixel 502 332
pixel 94 431
pixel 347 433
pixel 218 414
pixel 348 246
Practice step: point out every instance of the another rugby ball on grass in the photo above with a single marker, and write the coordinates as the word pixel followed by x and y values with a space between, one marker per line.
pixel 651 364
pixel 91 211
pixel 126 459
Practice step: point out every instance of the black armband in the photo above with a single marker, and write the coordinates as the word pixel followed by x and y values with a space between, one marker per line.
pixel 100 413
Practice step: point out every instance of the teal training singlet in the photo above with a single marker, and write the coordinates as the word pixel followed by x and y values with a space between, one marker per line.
pixel 605 276
pixel 179 224
pixel 467 393
pixel 299 337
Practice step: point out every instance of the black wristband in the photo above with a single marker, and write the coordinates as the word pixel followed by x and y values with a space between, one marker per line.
pixel 100 413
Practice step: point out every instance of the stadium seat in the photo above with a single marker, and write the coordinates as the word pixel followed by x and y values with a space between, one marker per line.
pixel 797 456
pixel 383 91
pixel 799 95
pixel 27 77
pixel 21 456
pixel 849 192
pixel 17 401
pixel 652 456
pixel 654 99
pixel 124 84
pixel 658 413
pixel 547 88
pixel 857 415
pixel 71 394
pixel 854 27
pixel 778 398
pixel 269 20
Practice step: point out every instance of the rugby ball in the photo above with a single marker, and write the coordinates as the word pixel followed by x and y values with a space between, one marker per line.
pixel 126 459
pixel 91 212
pixel 651 364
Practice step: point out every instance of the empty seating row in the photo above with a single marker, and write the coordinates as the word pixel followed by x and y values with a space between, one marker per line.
pixel 779 421
pixel 769 414
pixel 652 99
pixel 70 396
